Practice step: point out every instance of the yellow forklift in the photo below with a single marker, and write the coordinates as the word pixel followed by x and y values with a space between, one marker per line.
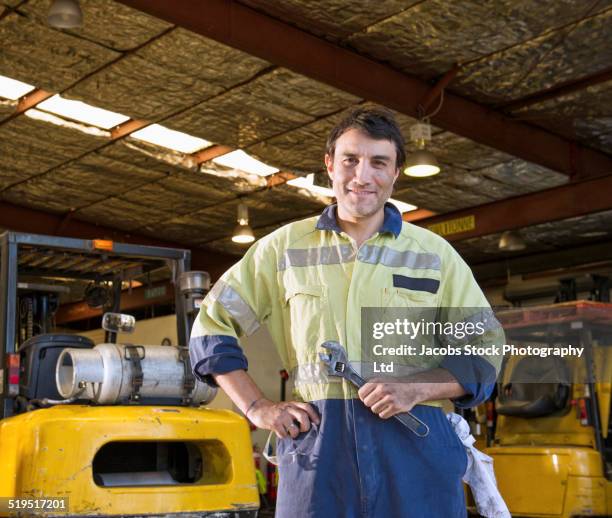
pixel 552 441
pixel 113 429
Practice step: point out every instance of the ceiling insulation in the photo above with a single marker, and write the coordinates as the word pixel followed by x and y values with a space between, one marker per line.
pixel 271 104
pixel 27 149
pixel 585 115
pixel 462 152
pixel 551 59
pixel 180 195
pixel 337 19
pixel 431 37
pixel 128 62
pixel 44 193
pixel 123 214
pixel 107 23
pixel 186 68
pixel 97 173
pixel 523 176
pixel 46 58
pixel 301 150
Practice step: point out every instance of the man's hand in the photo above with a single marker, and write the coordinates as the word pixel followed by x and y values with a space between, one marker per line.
pixel 387 398
pixel 286 419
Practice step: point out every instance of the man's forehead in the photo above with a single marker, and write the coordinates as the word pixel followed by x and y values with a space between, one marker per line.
pixel 356 142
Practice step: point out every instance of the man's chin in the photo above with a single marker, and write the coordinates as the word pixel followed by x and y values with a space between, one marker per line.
pixel 360 211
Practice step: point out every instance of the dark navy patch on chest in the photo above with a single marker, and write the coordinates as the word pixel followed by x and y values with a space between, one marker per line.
pixel 416 283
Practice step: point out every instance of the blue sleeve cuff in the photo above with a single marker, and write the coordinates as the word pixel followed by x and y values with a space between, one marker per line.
pixel 215 354
pixel 475 374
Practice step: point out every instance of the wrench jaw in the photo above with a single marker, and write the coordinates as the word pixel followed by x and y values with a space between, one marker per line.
pixel 326 359
pixel 334 368
pixel 335 358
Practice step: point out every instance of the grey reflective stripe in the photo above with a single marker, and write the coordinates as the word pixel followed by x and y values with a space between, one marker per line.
pixel 396 258
pixel 235 305
pixel 296 257
pixel 312 373
pixel 316 373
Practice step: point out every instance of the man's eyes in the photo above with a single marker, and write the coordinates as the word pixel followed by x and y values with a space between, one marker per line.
pixel 375 163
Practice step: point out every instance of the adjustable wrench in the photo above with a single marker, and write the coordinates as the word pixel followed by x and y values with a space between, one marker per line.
pixel 338 365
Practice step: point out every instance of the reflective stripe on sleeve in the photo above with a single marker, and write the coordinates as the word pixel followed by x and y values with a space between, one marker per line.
pixel 236 306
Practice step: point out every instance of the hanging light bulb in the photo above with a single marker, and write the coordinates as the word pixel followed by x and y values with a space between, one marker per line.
pixel 243 233
pixel 511 241
pixel 65 14
pixel 421 163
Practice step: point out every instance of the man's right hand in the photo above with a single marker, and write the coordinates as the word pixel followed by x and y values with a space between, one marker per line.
pixel 286 419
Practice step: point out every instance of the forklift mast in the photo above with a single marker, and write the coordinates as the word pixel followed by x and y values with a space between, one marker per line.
pixel 34 255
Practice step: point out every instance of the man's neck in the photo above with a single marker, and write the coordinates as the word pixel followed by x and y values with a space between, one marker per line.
pixel 360 229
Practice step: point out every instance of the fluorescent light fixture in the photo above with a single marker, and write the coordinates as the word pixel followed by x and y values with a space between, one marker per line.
pixel 171 139
pixel 13 89
pixel 82 112
pixel 240 160
pixel 402 206
pixel 307 182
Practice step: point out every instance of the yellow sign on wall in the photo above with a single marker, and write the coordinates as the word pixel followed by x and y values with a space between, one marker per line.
pixel 454 226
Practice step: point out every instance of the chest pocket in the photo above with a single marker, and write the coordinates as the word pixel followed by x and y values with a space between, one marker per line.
pixel 410 294
pixel 308 321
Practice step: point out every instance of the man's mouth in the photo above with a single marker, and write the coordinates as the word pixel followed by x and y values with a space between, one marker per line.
pixel 360 192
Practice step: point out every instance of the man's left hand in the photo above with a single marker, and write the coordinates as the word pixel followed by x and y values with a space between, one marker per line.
pixel 387 398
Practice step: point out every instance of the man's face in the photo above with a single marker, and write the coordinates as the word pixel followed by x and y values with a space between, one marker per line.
pixel 363 172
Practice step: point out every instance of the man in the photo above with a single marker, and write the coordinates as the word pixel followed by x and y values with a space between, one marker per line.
pixel 340 454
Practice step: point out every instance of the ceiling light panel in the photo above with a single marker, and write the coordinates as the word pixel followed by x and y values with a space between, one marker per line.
pixel 307 182
pixel 402 206
pixel 82 112
pixel 171 139
pixel 13 89
pixel 240 160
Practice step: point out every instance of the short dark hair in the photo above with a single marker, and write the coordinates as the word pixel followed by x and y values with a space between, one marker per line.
pixel 377 123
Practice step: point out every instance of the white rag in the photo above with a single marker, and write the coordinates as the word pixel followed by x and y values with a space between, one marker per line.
pixel 479 474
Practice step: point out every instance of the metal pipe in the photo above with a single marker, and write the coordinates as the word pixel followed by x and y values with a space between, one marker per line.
pixel 107 374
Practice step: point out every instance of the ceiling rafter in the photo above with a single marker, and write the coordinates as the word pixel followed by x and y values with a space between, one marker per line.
pixel 241 27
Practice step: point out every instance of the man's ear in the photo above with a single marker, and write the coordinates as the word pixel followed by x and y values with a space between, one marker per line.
pixel 329 165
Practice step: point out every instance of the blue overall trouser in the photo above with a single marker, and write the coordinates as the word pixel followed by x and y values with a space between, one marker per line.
pixel 355 464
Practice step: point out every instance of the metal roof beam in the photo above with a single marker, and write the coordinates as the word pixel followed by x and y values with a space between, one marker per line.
pixel 246 29
pixel 22 219
pixel 566 201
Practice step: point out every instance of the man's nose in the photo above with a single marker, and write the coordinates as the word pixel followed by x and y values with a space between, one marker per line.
pixel 363 172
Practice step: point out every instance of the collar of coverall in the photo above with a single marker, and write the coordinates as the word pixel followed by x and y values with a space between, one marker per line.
pixel 392 222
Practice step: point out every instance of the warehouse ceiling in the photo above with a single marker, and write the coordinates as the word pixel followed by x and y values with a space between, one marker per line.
pixel 545 64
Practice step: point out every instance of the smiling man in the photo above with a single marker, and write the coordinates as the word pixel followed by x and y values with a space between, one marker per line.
pixel 339 453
